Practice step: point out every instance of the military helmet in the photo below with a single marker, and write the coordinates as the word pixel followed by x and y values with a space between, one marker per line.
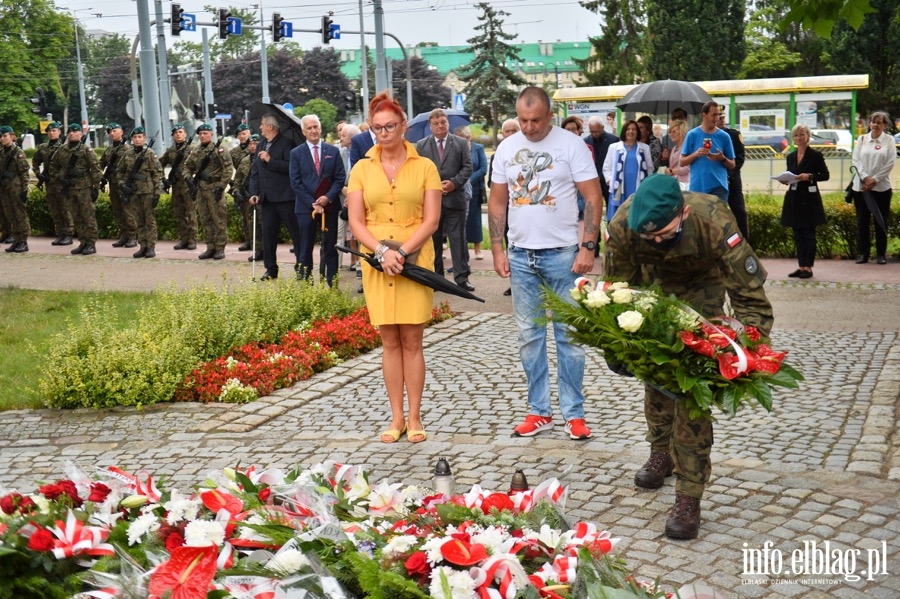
pixel 74 127
pixel 242 127
pixel 205 127
pixel 137 131
pixel 5 129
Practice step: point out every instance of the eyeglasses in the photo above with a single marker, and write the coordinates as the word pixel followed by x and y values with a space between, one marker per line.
pixel 655 236
pixel 389 128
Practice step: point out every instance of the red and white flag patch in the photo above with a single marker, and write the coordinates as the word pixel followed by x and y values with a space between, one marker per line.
pixel 734 240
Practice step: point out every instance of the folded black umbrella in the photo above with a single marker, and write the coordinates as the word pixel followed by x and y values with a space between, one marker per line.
pixel 420 275
pixel 872 205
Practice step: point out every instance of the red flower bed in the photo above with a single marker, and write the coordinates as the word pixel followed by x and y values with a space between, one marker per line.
pixel 296 356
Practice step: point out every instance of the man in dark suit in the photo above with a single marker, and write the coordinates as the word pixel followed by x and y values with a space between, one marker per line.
pixel 451 155
pixel 735 191
pixel 599 142
pixel 359 145
pixel 317 177
pixel 270 186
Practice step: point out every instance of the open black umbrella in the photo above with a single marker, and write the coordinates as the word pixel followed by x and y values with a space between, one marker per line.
pixel 290 124
pixel 420 275
pixel 662 97
pixel 419 128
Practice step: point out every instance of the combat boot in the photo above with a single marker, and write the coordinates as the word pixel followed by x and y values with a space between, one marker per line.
pixel 150 253
pixel 79 249
pixel 66 240
pixel 4 238
pixel 257 257
pixel 653 474
pixel 131 242
pixel 181 245
pixel 191 245
pixel 684 519
pixel 245 247
pixel 20 248
pixel 57 241
pixel 140 253
pixel 121 242
pixel 89 248
pixel 207 254
pixel 219 255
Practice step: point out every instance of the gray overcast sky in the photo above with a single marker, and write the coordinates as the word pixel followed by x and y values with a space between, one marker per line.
pixel 445 22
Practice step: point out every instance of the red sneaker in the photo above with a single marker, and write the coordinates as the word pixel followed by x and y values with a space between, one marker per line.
pixel 577 429
pixel 533 425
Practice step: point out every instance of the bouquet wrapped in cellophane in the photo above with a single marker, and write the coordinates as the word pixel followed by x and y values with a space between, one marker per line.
pixel 665 343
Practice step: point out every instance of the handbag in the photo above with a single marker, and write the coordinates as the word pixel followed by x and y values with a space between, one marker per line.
pixel 848 191
pixel 395 245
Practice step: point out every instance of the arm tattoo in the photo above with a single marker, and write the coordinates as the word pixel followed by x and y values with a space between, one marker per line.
pixel 496 226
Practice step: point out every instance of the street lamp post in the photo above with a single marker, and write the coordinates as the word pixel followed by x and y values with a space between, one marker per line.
pixel 80 69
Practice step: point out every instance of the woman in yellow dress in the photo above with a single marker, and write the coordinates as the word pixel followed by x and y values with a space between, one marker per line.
pixel 394 197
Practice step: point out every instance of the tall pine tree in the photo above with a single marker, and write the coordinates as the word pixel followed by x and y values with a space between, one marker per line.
pixel 488 79
pixel 618 54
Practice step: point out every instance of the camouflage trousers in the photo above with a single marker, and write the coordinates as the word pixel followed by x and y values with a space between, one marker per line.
pixel 15 213
pixel 84 214
pixel 5 227
pixel 689 442
pixel 213 218
pixel 63 225
pixel 246 209
pixel 123 212
pixel 184 207
pixel 145 218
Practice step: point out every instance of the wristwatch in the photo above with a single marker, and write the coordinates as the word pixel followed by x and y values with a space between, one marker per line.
pixel 589 245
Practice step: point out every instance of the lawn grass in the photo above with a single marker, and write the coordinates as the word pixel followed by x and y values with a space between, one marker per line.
pixel 28 322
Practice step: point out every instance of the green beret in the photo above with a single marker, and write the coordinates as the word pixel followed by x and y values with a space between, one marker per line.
pixel 254 137
pixel 176 127
pixel 113 125
pixel 242 127
pixel 5 129
pixel 137 131
pixel 655 204
pixel 54 125
pixel 74 127
pixel 205 127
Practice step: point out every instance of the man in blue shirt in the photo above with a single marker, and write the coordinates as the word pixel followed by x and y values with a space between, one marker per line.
pixel 710 154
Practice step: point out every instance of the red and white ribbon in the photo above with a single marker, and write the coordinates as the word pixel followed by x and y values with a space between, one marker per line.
pixel 74 538
pixel 144 487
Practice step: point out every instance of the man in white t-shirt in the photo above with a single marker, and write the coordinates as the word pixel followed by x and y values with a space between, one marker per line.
pixel 536 174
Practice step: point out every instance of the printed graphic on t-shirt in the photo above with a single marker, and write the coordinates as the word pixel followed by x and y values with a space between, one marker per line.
pixel 528 189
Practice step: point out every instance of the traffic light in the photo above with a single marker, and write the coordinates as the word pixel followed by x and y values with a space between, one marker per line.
pixel 198 111
pixel 39 101
pixel 213 110
pixel 277 33
pixel 224 14
pixel 326 29
pixel 175 20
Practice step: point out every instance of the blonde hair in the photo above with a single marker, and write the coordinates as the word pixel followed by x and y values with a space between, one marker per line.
pixel 679 125
pixel 801 127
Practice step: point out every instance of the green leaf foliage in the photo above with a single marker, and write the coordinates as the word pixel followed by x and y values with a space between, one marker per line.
pixel 618 56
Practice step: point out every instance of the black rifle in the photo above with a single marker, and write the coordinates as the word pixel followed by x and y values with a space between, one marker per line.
pixel 127 188
pixel 110 170
pixel 193 185
pixel 175 171
pixel 66 181
pixel 43 174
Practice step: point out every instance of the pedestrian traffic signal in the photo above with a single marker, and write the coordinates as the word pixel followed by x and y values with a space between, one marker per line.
pixel 224 15
pixel 175 20
pixel 326 29
pixel 277 32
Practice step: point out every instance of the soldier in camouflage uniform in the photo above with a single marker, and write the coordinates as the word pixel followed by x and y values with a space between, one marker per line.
pixel 141 168
pixel 689 245
pixel 237 155
pixel 183 205
pixel 240 191
pixel 14 190
pixel 210 169
pixel 109 165
pixel 74 167
pixel 56 199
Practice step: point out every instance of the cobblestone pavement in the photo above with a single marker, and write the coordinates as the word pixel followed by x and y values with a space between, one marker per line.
pixel 824 466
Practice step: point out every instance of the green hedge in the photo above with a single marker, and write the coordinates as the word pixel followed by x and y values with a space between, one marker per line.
pixel 835 239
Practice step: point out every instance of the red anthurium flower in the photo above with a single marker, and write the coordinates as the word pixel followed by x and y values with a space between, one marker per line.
pixel 698 344
pixel 501 501
pixel 728 365
pixel 216 500
pixel 462 536
pixel 752 333
pixel 460 553
pixel 187 574
pixel 767 359
pixel 719 336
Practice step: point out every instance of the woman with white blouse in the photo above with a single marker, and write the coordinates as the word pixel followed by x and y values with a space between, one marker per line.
pixel 873 157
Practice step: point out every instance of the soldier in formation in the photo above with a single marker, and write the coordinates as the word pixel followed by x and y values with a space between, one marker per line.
pixel 238 153
pixel 14 190
pixel 240 191
pixel 141 176
pixel 109 165
pixel 56 198
pixel 183 205
pixel 207 172
pixel 75 168
pixel 690 246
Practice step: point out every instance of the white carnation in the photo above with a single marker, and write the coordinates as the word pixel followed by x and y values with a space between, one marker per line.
pixel 202 533
pixel 596 299
pixel 447 583
pixel 399 545
pixel 622 296
pixel 645 301
pixel 180 508
pixel 141 526
pixel 491 537
pixel 630 321
pixel 432 549
pixel 289 561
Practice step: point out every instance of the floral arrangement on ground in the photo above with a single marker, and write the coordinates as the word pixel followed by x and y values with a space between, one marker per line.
pixel 322 532
pixel 666 343
pixel 257 369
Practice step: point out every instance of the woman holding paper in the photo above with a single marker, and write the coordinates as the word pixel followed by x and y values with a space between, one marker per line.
pixel 803 210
